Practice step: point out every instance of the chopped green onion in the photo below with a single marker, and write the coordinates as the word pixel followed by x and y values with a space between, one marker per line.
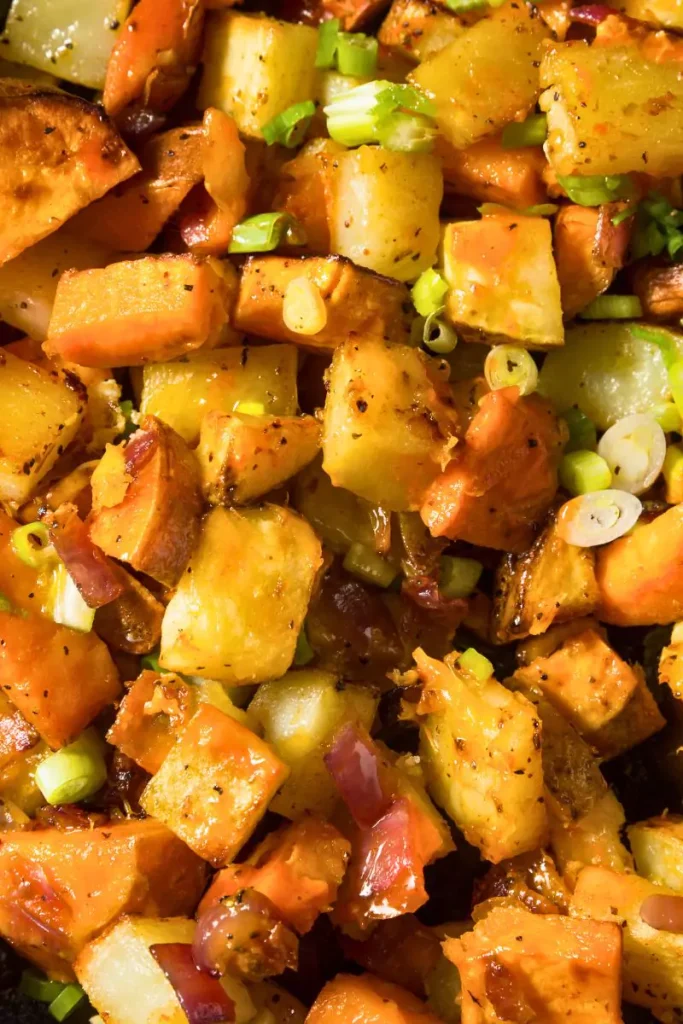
pixel 150 662
pixel 289 127
pixel 265 232
pixel 68 1000
pixel 623 215
pixel 438 336
pixel 634 448
pixel 328 33
pixel 365 563
pixel 668 417
pixel 658 226
pixel 508 366
pixel 663 339
pixel 582 432
pixel 357 54
pixel 32 544
pixel 376 112
pixel 127 411
pixel 593 190
pixel 250 408
pixel 475 664
pixel 406 133
pixel 304 652
pixel 541 210
pixel 459 576
pixel 73 773
pixel 429 291
pixel 584 471
pixel 66 605
pixel 676 384
pixel 37 986
pixel 531 132
pixel 598 518
pixel 613 307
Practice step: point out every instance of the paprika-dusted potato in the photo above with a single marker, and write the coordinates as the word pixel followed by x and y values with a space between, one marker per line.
pixel 40 414
pixel 138 311
pixel 147 502
pixel 389 425
pixel 358 304
pixel 215 785
pixel 58 890
pixel 59 153
pixel 368 999
pixel 242 456
pixel 238 608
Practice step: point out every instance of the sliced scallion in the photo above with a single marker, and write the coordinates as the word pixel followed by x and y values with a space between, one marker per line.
pixel 289 127
pixel 429 291
pixel 475 664
pixel 595 189
pixel 32 544
pixel 613 307
pixel 668 417
pixel 356 54
pixel 459 576
pixel 380 112
pixel 73 773
pixel 406 133
pixel 265 232
pixel 519 134
pixel 509 366
pixel 68 1000
pixel 66 604
pixel 328 33
pixel 582 432
pixel 150 662
pixel 663 339
pixel 437 335
pixel 365 563
pixel 584 471
pixel 304 653
pixel 37 986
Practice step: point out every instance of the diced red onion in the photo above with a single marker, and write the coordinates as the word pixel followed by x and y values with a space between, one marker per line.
pixel 202 997
pixel 246 935
pixel 665 913
pixel 591 14
pixel 354 763
pixel 140 449
pixel 95 576
pixel 387 851
pixel 424 592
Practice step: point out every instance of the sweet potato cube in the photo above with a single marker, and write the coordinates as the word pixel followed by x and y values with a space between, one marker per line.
pixel 215 785
pixel 58 890
pixel 359 303
pixel 518 962
pixel 657 846
pixel 151 715
pixel 503 281
pixel 40 414
pixel 242 457
pixel 368 999
pixel 138 311
pixel 59 154
pixel 238 609
pixel 589 250
pixel 488 172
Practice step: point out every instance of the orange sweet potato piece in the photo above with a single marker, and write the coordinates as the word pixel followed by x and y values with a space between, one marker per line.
pixel 487 172
pixel 138 311
pixel 367 1000
pixel 131 623
pixel 151 716
pixel 60 889
pixel 305 188
pixel 589 250
pixel 299 868
pixel 503 479
pixel 59 154
pixel 640 576
pixel 520 966
pixel 660 289
pixel 155 55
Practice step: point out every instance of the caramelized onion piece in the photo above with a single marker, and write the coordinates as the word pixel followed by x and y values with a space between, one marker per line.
pixel 245 935
pixel 355 767
pixel 665 913
pixel 93 573
pixel 202 997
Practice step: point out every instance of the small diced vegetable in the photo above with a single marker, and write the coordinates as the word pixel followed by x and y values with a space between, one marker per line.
pixel 388 425
pixel 255 67
pixel 306 188
pixel 419 28
pixel 138 311
pixel 589 250
pixel 40 414
pixel 481 747
pixel 131 623
pixel 503 280
pixel 59 889
pixel 242 457
pixel 74 772
pixel 215 785
pixel 515 958
pixel 16 734
pixel 486 77
pixel 367 998
pixel 59 154
pixel 339 517
pixel 657 846
pixel 660 290
pixel 238 609
pixel 593 838
pixel 358 303
pixel 150 717
pixel 491 174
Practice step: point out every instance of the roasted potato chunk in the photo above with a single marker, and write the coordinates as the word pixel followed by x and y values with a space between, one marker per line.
pixel 358 303
pixel 339 517
pixel 502 280
pixel 660 290
pixel 419 28
pixel 60 889
pixel 147 502
pixel 215 785
pixel 60 153
pixel 367 998
pixel 238 609
pixel 388 425
pixel 242 457
pixel 593 838
pixel 657 846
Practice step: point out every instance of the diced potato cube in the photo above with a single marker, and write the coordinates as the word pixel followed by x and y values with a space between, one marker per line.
pixel 242 457
pixel 503 281
pixel 358 303
pixel 367 998
pixel 487 76
pixel 40 414
pixel 657 846
pixel 419 28
pixel 181 393
pixel 515 958
pixel 593 839
pixel 611 110
pixel 238 609
pixel 255 67
pixel 339 517
pixel 16 734
pixel 59 889
pixel 389 425
pixel 481 747
pixel 298 715
pixel 215 785
pixel 652 958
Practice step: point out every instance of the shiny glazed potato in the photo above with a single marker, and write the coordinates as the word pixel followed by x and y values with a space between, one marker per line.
pixel 16 734
pixel 658 13
pixel 368 999
pixel 594 838
pixel 339 517
pixel 419 28
pixel 388 426
pixel 40 414
pixel 40 188
pixel 657 846
pixel 238 609
pixel 486 77
pixel 89 877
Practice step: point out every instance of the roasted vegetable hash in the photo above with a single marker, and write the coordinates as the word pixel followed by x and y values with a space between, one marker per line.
pixel 341 512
